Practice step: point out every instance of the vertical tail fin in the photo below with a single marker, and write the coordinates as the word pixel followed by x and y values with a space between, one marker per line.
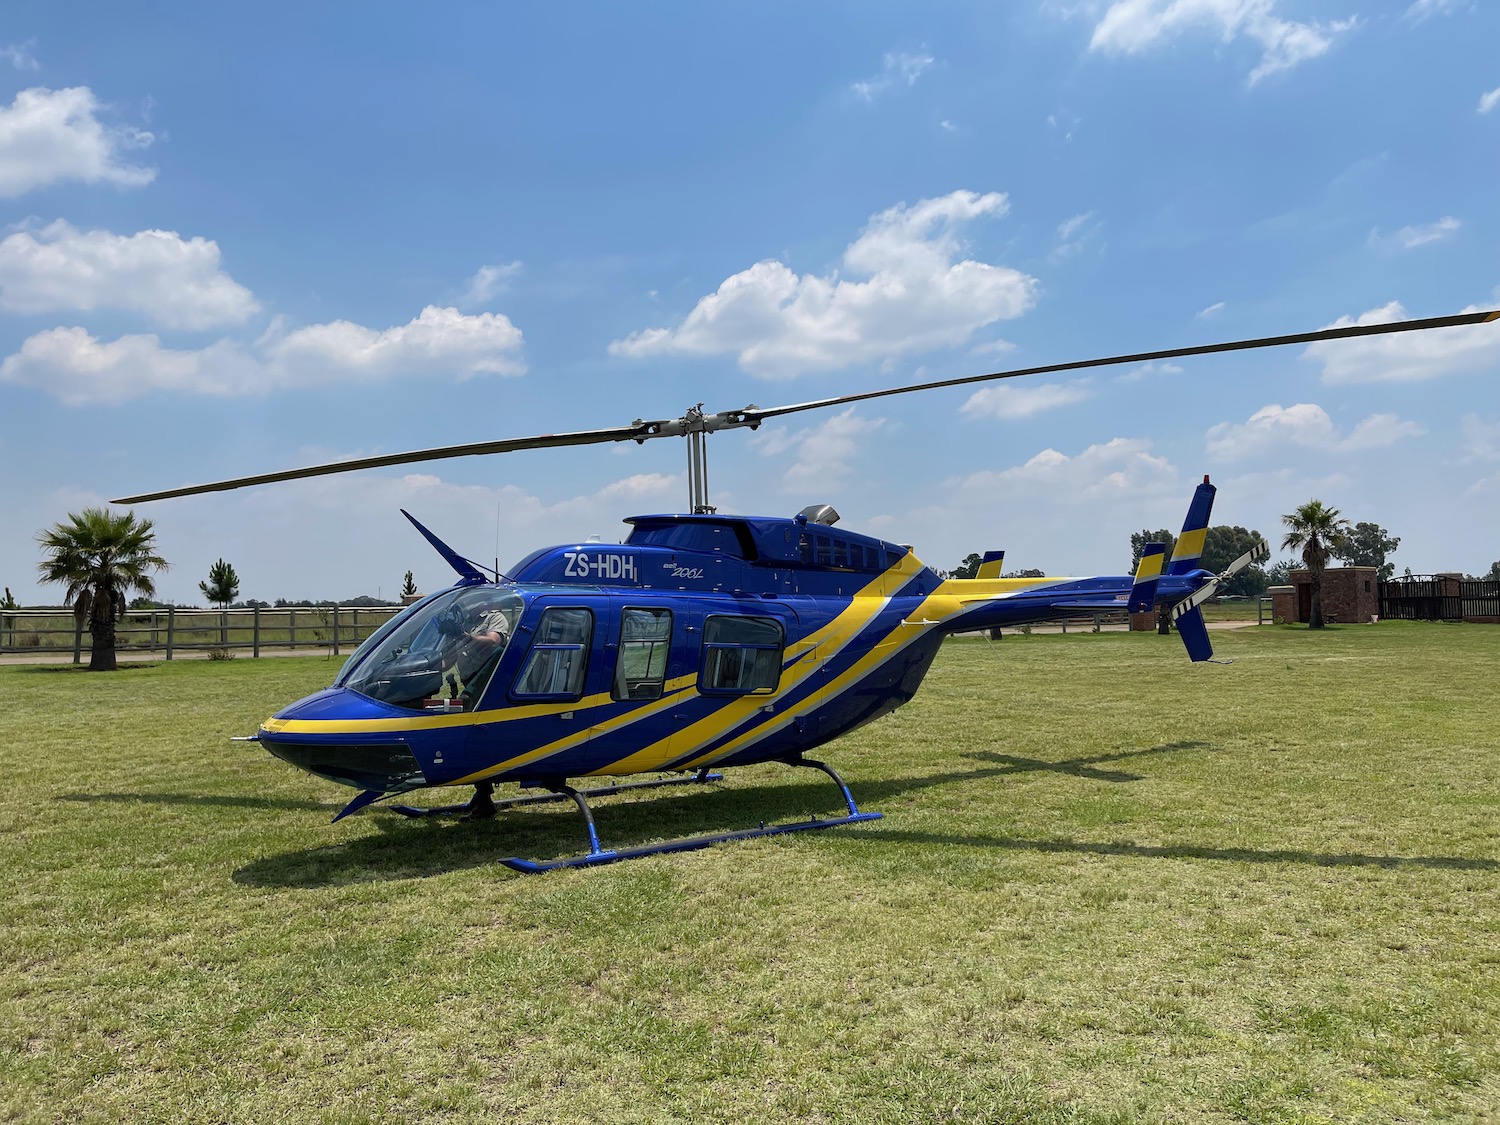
pixel 1194 634
pixel 1147 575
pixel 1194 530
pixel 990 566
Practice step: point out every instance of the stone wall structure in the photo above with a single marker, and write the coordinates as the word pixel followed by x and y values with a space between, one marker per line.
pixel 1350 594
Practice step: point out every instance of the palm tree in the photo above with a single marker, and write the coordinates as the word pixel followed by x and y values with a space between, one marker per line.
pixel 1317 532
pixel 101 557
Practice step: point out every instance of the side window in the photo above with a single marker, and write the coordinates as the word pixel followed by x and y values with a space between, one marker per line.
pixel 740 655
pixel 645 638
pixel 559 656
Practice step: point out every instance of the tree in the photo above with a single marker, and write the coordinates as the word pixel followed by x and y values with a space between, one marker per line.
pixel 223 584
pixel 1028 573
pixel 1367 545
pixel 1280 573
pixel 1221 546
pixel 1317 532
pixel 100 557
pixel 409 585
pixel 1139 539
pixel 969 567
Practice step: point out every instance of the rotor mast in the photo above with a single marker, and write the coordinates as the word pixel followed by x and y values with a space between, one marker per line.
pixel 695 426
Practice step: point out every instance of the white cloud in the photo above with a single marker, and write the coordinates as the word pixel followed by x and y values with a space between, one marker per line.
pixel 1073 234
pixel 1212 310
pixel 1149 370
pixel 1131 27
pixel 1406 356
pixel 1481 438
pixel 900 67
pixel 1490 100
pixel 1304 424
pixel 1117 468
pixel 487 283
pixel 50 135
pixel 1007 401
pixel 917 298
pixel 1410 237
pixel 19 55
pixel 992 347
pixel 79 368
pixel 175 282
pixel 821 454
pixel 1421 9
pixel 1379 431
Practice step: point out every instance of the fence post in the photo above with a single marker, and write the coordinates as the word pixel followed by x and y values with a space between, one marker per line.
pixel 291 617
pixel 255 634
pixel 171 627
pixel 335 629
pixel 78 640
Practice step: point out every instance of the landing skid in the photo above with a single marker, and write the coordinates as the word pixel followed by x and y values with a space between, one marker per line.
pixel 483 806
pixel 597 855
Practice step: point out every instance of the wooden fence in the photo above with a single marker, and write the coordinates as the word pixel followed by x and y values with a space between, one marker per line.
pixel 173 631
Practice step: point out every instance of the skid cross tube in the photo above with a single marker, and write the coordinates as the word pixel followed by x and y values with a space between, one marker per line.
pixel 598 854
pixel 476 809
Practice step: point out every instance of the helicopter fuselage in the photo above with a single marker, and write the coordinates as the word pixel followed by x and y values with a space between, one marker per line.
pixel 700 641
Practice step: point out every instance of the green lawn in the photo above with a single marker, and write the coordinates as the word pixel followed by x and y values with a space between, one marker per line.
pixel 1110 887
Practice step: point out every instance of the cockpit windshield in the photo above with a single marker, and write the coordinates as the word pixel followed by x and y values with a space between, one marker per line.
pixel 440 654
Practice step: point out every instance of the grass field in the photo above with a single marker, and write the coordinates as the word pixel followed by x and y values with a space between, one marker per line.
pixel 1110 887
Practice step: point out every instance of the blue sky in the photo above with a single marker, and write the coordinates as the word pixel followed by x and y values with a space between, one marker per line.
pixel 242 240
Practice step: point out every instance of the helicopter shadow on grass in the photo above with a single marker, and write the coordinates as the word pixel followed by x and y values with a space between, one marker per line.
pixel 405 849
pixel 1125 849
pixel 220 801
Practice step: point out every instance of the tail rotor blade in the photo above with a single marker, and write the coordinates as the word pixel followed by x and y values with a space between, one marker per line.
pixel 1256 554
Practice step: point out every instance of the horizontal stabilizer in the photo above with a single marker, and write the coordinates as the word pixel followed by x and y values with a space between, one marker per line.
pixel 1147 575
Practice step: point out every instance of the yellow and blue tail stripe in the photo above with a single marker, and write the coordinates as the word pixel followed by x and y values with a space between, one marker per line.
pixel 1189 548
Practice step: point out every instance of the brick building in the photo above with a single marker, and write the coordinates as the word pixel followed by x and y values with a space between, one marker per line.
pixel 1350 593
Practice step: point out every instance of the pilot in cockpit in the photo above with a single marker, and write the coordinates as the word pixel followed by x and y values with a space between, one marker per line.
pixel 472 649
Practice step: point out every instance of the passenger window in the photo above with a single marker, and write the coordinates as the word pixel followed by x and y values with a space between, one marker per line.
pixel 741 655
pixel 559 657
pixel 645 640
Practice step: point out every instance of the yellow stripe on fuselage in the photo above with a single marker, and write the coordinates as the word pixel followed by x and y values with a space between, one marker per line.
pixel 837 633
pixel 934 611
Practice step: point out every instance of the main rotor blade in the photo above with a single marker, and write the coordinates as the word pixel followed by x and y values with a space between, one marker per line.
pixel 754 416
pixel 637 431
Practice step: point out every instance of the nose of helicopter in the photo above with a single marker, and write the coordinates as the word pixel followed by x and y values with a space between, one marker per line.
pixel 330 734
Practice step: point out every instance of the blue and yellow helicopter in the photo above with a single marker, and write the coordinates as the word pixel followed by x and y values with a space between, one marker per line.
pixel 703 641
